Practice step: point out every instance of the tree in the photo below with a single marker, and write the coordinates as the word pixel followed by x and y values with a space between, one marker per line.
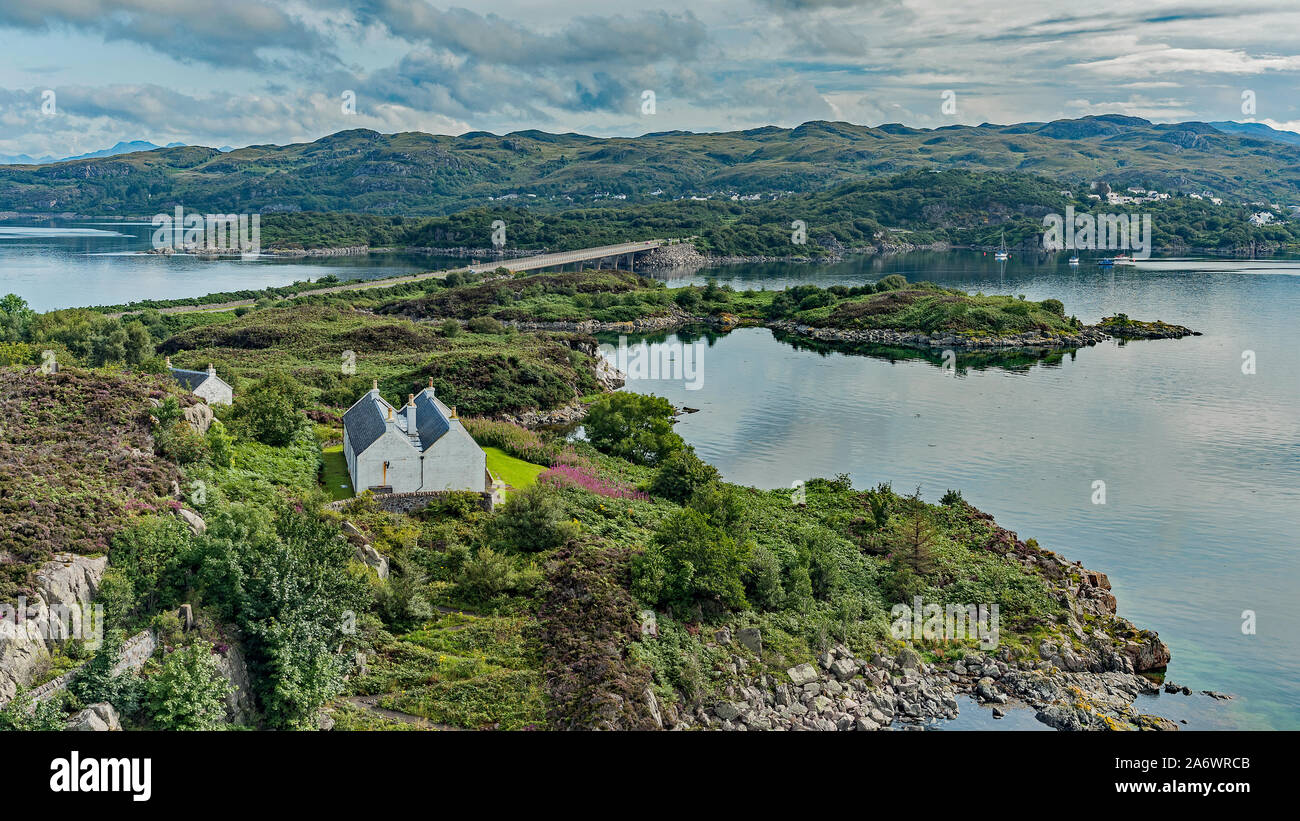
pixel 15 318
pixel 681 474
pixel 272 410
pixel 189 692
pixel 691 561
pixel 21 715
pixel 633 426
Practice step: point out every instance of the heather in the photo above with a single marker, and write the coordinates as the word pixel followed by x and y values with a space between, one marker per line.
pixel 76 463
pixel 589 480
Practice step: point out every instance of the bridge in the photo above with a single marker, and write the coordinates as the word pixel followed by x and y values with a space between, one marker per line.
pixel 578 259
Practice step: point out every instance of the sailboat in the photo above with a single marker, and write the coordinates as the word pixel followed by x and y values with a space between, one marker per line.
pixel 1002 251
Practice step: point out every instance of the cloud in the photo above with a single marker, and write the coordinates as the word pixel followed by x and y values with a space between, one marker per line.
pixel 225 33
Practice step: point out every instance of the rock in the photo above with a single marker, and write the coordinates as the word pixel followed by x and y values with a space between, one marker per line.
pixel 865 724
pixel 652 704
pixel 843 669
pixel 998 712
pixel 987 691
pixel 197 526
pixel 239 701
pixel 1214 694
pixel 199 416
pixel 726 711
pixel 99 717
pixel 722 636
pixel 186 616
pixel 751 639
pixel 324 721
pixel 372 558
pixel 802 674
pixel 353 533
pixel 909 659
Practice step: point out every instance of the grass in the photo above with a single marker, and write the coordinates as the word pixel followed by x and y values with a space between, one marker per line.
pixel 338 484
pixel 515 472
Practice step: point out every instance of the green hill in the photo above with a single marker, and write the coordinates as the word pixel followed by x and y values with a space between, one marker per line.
pixel 416 173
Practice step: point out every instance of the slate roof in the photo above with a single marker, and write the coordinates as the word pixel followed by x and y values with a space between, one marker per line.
pixel 430 420
pixel 189 379
pixel 367 420
pixel 364 422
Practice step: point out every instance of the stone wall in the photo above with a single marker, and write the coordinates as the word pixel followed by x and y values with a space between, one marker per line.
pixel 408 503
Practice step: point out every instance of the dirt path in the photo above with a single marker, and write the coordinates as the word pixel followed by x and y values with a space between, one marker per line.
pixel 371 705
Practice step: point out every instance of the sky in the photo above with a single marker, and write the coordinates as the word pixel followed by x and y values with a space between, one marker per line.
pixel 80 75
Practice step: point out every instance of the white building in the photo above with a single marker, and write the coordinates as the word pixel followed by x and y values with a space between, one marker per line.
pixel 421 447
pixel 206 385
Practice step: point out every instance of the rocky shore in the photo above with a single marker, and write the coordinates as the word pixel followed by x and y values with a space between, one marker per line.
pixel 1085 677
pixel 1122 327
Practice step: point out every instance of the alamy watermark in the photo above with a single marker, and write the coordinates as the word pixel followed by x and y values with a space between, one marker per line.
pixel 179 231
pixel 58 622
pixel 953 622
pixel 680 361
pixel 1086 232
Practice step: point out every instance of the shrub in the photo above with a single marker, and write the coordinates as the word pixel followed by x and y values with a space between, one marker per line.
pixel 272 410
pixel 893 282
pixel 1054 306
pixel 189 692
pixel 402 602
pixel 485 325
pixel 21 715
pixel 681 474
pixel 633 426
pixel 221 446
pixel 532 520
pixel 951 497
pixel 449 328
pixel 690 562
pixel 182 444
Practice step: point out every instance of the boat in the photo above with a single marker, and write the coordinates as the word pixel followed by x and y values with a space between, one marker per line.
pixel 1002 251
pixel 1074 260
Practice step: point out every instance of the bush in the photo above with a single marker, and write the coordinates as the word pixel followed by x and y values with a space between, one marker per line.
pixel 189 692
pixel 221 446
pixel 681 474
pixel 182 444
pixel 272 410
pixel 893 282
pixel 402 603
pixel 485 325
pixel 633 427
pixel 96 681
pixel 1054 306
pixel 532 520
pixel 449 328
pixel 691 562
pixel 22 716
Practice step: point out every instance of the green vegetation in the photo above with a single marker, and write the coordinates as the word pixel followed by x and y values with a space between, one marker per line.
pixel 514 472
pixel 415 173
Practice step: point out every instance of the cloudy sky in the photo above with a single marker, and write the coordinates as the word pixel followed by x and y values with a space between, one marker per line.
pixel 239 72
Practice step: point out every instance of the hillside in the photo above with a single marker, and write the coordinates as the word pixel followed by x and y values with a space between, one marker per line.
pixel 417 173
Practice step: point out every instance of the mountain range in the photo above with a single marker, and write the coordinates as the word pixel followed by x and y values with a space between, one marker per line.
pixel 416 173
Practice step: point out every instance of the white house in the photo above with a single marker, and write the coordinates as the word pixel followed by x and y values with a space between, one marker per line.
pixel 421 447
pixel 206 385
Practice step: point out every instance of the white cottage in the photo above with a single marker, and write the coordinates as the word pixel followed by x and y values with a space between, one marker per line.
pixel 421 447
pixel 204 384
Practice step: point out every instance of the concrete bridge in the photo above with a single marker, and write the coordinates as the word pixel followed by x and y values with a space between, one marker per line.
pixel 599 256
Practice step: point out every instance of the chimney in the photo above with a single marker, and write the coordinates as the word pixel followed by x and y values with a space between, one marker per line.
pixel 453 412
pixel 168 362
pixel 430 388
pixel 211 370
pixel 374 389
pixel 411 427
pixel 390 414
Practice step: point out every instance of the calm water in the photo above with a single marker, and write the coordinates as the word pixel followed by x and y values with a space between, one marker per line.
pixel 66 264
pixel 1201 462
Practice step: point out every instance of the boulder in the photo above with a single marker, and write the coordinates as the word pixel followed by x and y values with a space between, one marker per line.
pixel 197 526
pixel 199 416
pixel 909 659
pixel 370 557
pixel 186 617
pixel 803 674
pixel 843 669
pixel 750 638
pixel 99 717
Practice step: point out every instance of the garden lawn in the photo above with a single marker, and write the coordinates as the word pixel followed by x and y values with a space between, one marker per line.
pixel 335 474
pixel 515 472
